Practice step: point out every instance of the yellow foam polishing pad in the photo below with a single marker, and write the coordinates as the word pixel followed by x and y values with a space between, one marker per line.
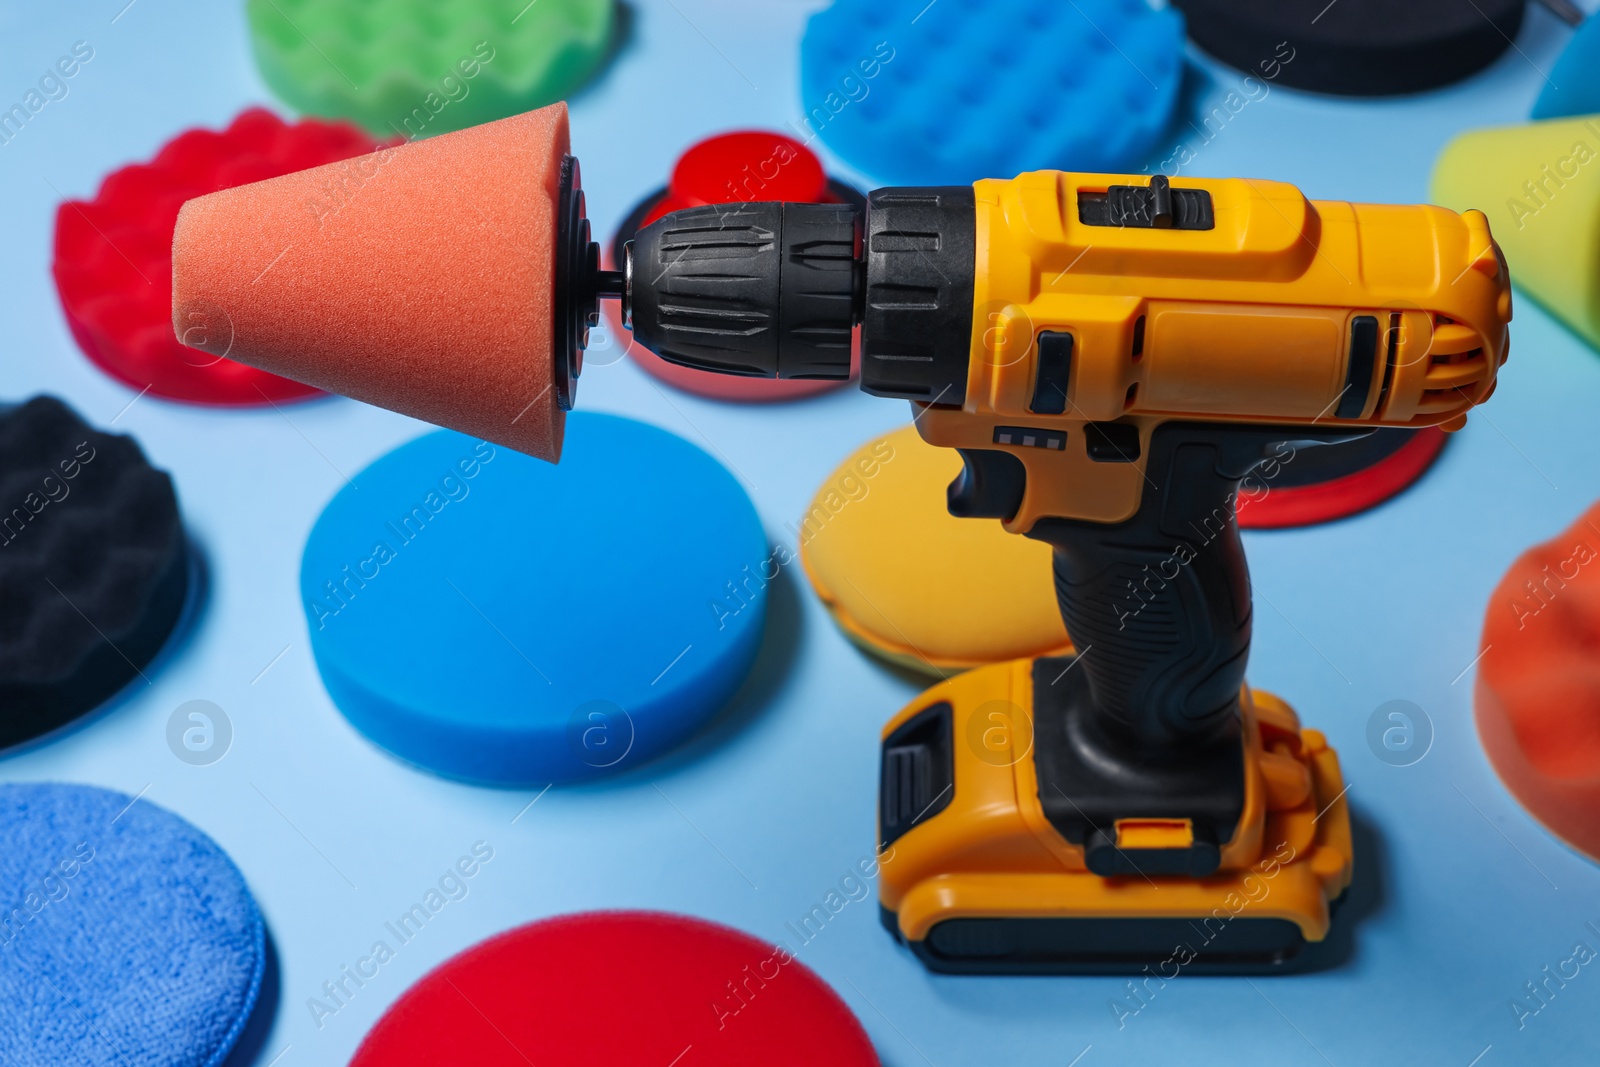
pixel 912 583
pixel 1539 185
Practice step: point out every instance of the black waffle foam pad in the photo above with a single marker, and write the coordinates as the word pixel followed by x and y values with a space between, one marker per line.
pixel 93 566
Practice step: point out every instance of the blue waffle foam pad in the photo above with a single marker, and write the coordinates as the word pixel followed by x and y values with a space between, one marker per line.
pixel 1573 87
pixel 494 618
pixel 913 93
pixel 127 939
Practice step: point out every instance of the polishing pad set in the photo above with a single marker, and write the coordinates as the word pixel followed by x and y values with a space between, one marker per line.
pixel 534 596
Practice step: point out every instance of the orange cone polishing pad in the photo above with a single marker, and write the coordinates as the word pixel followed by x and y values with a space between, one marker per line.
pixel 451 279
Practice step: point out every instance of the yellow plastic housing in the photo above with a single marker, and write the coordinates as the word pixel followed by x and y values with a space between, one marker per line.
pixel 1247 322
pixel 992 853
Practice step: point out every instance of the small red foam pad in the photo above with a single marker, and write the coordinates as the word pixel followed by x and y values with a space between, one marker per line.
pixel 731 168
pixel 113 254
pixel 748 166
pixel 1537 700
pixel 619 989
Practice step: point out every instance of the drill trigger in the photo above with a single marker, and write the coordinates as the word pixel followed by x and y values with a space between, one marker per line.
pixel 989 486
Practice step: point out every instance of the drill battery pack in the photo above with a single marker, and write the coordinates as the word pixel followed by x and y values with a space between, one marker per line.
pixel 996 861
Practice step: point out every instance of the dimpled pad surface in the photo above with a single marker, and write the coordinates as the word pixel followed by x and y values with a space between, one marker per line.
pixel 620 989
pixel 969 89
pixel 495 619
pixel 127 937
pixel 443 67
pixel 93 566
pixel 113 254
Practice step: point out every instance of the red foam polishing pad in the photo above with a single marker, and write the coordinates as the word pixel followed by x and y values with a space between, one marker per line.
pixel 730 168
pixel 1330 482
pixel 418 278
pixel 1538 691
pixel 750 165
pixel 113 254
pixel 619 989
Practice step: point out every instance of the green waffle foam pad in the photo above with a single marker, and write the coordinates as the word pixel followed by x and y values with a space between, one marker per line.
pixel 418 68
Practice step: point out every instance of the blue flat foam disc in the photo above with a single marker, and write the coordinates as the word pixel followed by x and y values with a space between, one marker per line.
pixel 127 937
pixel 495 618
pixel 914 93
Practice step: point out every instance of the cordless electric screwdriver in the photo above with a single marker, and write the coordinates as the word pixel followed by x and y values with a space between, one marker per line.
pixel 1111 356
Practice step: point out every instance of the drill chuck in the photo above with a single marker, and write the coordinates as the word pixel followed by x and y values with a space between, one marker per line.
pixel 775 290
pixel 765 290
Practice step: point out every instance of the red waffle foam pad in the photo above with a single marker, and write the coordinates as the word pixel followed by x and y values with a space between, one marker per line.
pixel 730 168
pixel 113 254
pixel 619 989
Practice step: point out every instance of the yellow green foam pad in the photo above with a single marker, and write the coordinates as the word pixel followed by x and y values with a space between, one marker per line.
pixel 1539 185
pixel 908 581
pixel 415 68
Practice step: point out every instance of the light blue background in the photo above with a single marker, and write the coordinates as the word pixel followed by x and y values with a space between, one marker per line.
pixel 752 823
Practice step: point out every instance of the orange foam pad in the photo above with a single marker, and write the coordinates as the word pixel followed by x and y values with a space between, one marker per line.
pixel 1538 688
pixel 417 278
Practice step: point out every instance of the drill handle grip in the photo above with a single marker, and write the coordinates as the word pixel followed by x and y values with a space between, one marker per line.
pixel 1159 606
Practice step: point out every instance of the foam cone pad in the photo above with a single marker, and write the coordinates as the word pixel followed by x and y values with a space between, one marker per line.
pixel 1539 185
pixel 418 278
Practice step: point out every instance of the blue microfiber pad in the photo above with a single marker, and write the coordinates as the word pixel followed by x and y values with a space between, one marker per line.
pixel 498 619
pixel 919 93
pixel 1573 87
pixel 127 939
